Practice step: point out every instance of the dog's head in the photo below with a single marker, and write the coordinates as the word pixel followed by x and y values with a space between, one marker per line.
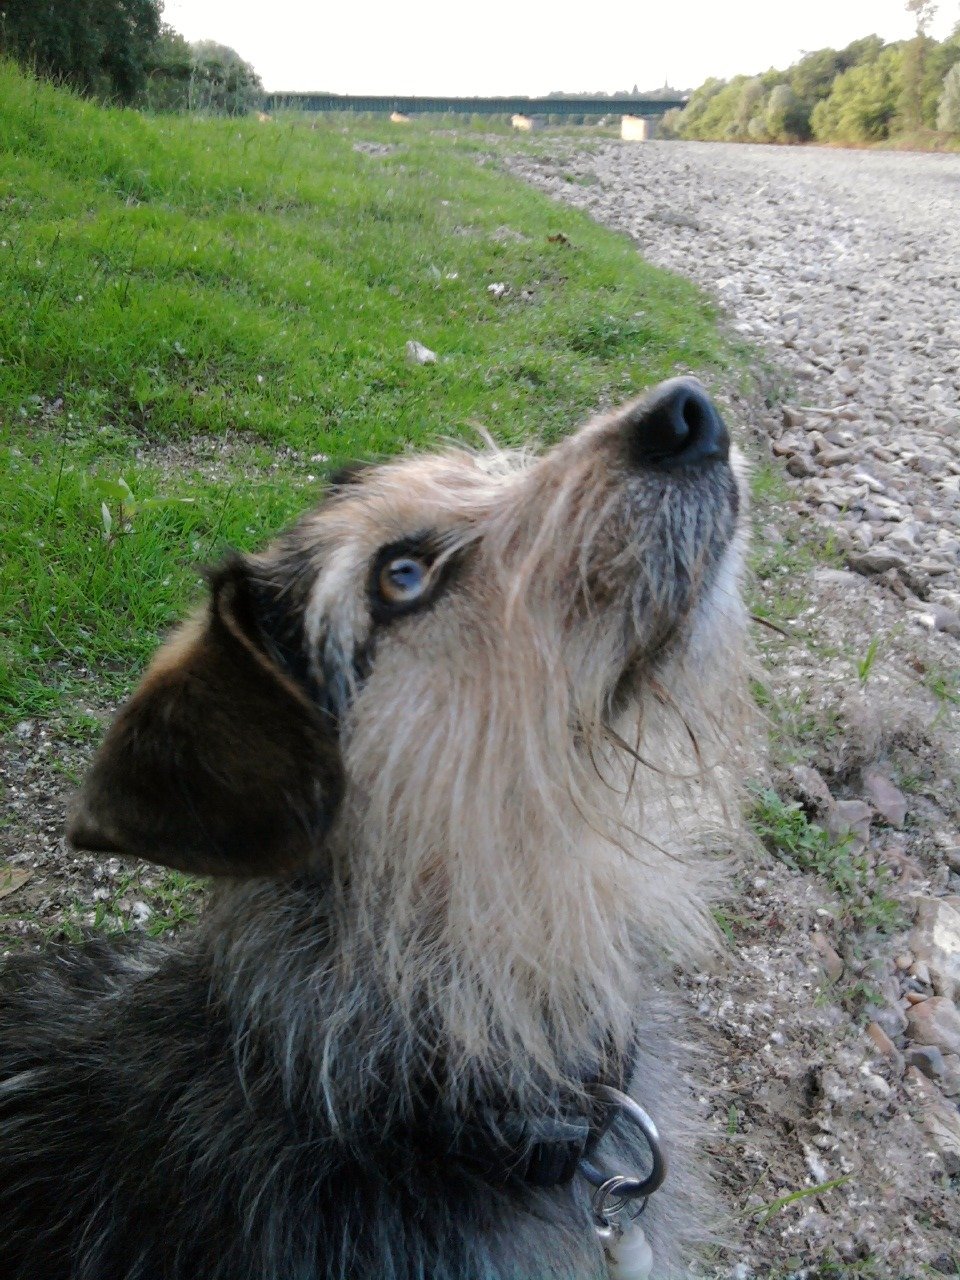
pixel 447 644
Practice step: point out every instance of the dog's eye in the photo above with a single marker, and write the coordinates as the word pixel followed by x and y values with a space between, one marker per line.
pixel 402 580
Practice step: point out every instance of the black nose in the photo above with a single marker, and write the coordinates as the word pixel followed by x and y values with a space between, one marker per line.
pixel 676 425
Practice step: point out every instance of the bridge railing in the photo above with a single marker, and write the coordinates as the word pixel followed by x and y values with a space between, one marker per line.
pixel 472 106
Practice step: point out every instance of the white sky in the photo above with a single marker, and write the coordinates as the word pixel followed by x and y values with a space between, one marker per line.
pixel 450 47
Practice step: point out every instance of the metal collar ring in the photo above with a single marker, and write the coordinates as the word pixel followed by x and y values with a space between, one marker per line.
pixel 629 1186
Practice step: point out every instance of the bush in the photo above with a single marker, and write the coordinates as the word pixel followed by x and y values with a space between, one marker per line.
pixel 867 92
pixel 670 123
pixel 206 77
pixel 785 119
pixel 940 60
pixel 757 130
pixel 748 105
pixel 168 73
pixel 691 117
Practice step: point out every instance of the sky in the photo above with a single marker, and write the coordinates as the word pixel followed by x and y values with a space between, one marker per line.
pixel 451 48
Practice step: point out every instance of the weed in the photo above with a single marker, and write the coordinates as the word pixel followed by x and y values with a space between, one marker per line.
pixel 847 872
pixel 768 484
pixel 134 900
pixel 865 665
pixel 944 684
pixel 782 1202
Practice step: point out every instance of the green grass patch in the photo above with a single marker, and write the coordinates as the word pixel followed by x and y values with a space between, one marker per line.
pixel 168 280
pixel 857 886
pixel 162 906
pixel 781 565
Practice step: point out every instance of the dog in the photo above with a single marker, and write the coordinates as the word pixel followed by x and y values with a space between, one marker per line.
pixel 451 747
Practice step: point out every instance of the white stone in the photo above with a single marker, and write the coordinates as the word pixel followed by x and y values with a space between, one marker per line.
pixel 935 941
pixel 417 353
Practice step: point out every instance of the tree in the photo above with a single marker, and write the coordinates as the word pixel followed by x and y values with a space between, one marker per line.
pixel 866 49
pixel 97 46
pixel 748 104
pixel 914 61
pixel 924 12
pixel 865 92
pixel 690 117
pixel 222 82
pixel 863 102
pixel 939 60
pixel 948 112
pixel 205 76
pixel 169 70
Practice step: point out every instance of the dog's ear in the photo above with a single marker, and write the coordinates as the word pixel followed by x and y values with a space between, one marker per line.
pixel 222 762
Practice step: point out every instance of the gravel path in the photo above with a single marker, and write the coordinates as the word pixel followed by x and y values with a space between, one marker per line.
pixel 837 1050
pixel 846 265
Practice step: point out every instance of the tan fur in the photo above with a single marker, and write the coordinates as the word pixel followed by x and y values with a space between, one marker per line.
pixel 504 851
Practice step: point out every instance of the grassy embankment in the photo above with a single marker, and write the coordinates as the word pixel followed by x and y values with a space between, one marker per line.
pixel 171 286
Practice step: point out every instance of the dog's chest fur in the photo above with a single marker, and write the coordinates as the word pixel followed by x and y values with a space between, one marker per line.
pixel 134 1145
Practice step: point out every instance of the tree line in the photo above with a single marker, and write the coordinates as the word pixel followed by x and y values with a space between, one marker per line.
pixel 121 51
pixel 868 92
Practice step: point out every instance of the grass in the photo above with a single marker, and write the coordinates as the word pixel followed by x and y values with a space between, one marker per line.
pixel 944 684
pixel 249 288
pixel 171 899
pixel 857 886
pixel 866 664
pixel 780 566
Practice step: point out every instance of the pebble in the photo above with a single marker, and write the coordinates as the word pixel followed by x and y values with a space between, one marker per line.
pixel 811 787
pixel 417 353
pixel 888 801
pixel 935 941
pixel 882 1040
pixel 937 1022
pixel 800 466
pixel 941 1120
pixel 942 1068
pixel 830 962
pixel 879 561
pixel 849 817
pixel 921 972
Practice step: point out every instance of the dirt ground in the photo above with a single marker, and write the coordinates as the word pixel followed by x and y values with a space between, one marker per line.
pixel 803 1095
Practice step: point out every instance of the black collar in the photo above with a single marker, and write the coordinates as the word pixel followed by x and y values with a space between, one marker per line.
pixel 542 1150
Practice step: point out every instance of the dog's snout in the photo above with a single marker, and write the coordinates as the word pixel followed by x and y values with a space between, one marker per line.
pixel 676 426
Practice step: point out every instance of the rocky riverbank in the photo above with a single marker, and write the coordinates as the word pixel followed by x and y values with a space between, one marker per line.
pixel 836 1127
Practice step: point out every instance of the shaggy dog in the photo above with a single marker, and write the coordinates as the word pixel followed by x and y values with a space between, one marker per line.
pixel 452 745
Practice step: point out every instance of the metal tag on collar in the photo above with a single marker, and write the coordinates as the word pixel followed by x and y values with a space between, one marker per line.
pixel 625 1248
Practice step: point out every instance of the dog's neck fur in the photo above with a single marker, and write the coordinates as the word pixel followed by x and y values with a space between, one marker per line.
pixel 486 985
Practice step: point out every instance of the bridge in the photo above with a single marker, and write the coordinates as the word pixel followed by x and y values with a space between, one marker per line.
pixel 473 106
